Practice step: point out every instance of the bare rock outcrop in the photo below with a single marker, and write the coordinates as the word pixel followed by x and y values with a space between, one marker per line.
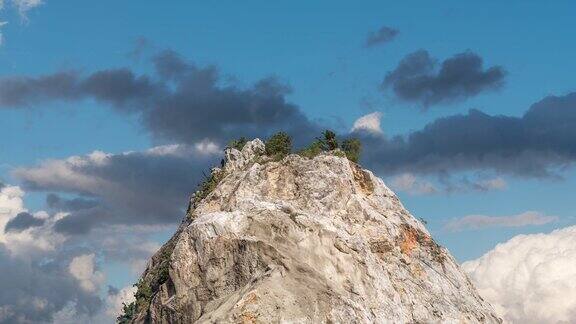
pixel 303 241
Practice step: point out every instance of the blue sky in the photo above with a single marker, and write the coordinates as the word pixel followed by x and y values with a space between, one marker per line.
pixel 318 50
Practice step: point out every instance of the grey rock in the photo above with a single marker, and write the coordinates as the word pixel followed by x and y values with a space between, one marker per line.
pixel 305 241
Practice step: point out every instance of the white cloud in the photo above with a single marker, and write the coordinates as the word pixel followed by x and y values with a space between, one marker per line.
pixel 530 278
pixel 35 254
pixel 409 183
pixel 370 123
pixel 30 240
pixel 83 269
pixel 114 301
pixel 11 203
pixel 472 222
pixel 204 147
pixel 207 147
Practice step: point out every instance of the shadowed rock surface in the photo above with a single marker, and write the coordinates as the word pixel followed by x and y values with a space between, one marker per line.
pixel 303 241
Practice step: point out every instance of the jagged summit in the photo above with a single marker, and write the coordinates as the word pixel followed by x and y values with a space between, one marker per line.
pixel 302 240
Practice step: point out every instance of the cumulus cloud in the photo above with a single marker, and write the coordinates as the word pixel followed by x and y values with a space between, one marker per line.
pixel 24 233
pixel 64 270
pixel 117 298
pixel 179 102
pixel 530 278
pixel 369 123
pixel 473 222
pixel 417 78
pixel 381 36
pixel 536 144
pixel 29 254
pixel 51 290
pixel 11 202
pixel 83 269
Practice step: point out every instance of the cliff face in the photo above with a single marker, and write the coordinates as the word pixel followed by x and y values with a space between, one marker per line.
pixel 303 241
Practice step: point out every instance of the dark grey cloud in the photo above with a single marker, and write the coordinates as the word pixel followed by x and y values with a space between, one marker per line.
pixel 82 221
pixel 183 102
pixel 419 79
pixel 137 188
pixel 54 201
pixel 179 102
pixel 23 221
pixel 34 289
pixel 18 91
pixel 381 36
pixel 537 144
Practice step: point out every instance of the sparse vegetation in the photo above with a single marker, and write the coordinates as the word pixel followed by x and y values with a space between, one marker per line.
pixel 329 141
pixel 352 148
pixel 279 145
pixel 143 297
pixel 128 313
pixel 238 143
pixel 160 274
pixel 349 148
pixel 147 286
pixel 312 150
pixel 208 185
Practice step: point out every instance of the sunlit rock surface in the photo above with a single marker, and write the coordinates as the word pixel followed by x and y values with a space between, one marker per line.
pixel 305 241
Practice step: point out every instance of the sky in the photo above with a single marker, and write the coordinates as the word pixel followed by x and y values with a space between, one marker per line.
pixel 110 111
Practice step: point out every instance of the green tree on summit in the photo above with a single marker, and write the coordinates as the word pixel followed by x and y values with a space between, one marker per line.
pixel 329 141
pixel 279 145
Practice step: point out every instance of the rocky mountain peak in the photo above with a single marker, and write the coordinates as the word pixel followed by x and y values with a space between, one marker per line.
pixel 307 240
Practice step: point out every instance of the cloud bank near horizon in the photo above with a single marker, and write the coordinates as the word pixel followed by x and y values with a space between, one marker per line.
pixel 530 278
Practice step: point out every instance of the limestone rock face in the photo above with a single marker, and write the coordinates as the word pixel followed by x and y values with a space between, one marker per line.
pixel 305 241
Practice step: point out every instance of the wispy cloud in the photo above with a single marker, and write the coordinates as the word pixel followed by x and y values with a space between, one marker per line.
pixel 420 185
pixel 413 185
pixel 475 222
pixel 21 6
